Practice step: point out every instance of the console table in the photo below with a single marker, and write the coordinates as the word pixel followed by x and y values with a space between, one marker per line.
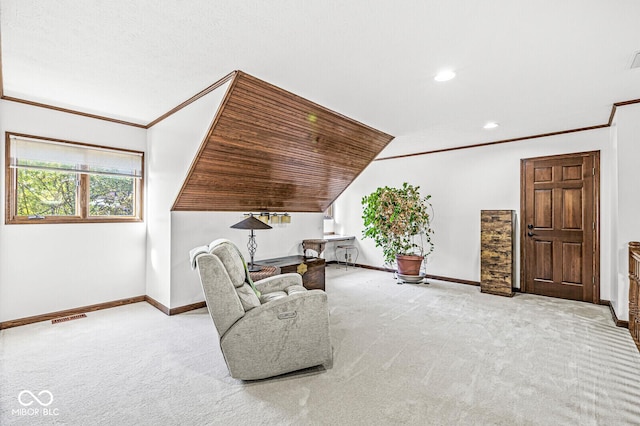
pixel 315 245
pixel 338 239
pixel 311 269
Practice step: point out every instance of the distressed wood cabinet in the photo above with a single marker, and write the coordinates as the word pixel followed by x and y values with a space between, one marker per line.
pixel 634 291
pixel 497 251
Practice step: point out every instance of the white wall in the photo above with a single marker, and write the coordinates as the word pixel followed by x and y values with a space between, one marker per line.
pixel 464 182
pixel 625 140
pixel 172 146
pixel 193 229
pixel 46 267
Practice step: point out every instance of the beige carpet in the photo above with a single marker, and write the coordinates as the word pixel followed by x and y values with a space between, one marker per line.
pixel 404 354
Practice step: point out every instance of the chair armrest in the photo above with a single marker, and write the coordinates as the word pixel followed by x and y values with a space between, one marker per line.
pixel 278 282
pixel 311 300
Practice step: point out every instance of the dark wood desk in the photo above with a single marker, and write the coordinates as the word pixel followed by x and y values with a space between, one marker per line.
pixel 311 269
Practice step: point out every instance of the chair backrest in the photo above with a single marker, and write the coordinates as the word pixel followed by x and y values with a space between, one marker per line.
pixel 222 275
pixel 234 263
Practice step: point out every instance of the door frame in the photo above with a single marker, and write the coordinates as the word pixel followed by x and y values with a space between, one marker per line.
pixel 596 218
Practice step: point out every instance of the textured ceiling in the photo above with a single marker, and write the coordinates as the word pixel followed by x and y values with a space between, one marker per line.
pixel 270 150
pixel 535 67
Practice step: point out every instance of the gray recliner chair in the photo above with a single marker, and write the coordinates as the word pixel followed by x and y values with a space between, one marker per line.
pixel 276 327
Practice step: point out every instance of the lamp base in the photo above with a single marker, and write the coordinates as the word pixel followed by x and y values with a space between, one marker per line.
pixel 254 268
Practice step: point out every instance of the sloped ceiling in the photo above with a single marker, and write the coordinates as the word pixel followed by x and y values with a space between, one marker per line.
pixel 535 67
pixel 271 150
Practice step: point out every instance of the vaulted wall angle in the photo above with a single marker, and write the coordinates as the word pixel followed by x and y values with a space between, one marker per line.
pixel 271 150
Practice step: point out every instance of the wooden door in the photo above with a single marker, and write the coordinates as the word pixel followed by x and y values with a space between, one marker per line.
pixel 559 226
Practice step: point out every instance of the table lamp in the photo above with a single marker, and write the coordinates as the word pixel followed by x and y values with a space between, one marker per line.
pixel 251 223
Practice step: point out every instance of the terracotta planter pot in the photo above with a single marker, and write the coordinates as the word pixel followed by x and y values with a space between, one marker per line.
pixel 409 264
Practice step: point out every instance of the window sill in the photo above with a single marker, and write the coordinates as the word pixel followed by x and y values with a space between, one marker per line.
pixel 63 220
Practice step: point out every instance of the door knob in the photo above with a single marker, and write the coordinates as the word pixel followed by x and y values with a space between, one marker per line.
pixel 530 226
pixel 531 234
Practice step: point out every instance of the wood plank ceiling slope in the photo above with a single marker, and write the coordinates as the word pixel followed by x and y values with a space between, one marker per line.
pixel 270 150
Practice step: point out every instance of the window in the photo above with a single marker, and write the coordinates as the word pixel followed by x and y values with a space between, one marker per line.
pixel 328 222
pixel 53 181
pixel 328 213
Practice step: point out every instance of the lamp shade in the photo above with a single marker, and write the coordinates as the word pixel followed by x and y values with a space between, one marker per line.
pixel 251 223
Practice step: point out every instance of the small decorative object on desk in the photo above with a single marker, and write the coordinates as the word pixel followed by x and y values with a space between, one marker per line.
pixel 302 268
pixel 316 245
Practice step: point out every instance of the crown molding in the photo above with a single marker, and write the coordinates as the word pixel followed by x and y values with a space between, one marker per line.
pixel 614 108
pixel 71 111
pixel 619 104
pixel 478 145
pixel 189 101
pixel 232 74
pixel 194 98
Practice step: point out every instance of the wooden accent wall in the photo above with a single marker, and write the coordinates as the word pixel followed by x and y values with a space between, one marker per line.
pixel 634 291
pixel 496 256
pixel 271 150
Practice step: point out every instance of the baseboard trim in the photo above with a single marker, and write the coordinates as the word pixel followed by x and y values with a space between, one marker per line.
pixel 69 312
pixel 91 308
pixel 159 306
pixel 182 309
pixel 428 276
pixel 375 268
pixel 453 280
pixel 614 317
pixel 173 311
pixel 187 308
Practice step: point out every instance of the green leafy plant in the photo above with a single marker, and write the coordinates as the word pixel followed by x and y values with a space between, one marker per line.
pixel 52 193
pixel 399 221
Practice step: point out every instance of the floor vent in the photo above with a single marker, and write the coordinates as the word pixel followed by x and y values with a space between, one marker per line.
pixel 72 317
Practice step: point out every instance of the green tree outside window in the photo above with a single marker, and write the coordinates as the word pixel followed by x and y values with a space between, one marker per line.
pixel 46 193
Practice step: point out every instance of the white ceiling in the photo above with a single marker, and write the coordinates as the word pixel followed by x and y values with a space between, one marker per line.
pixel 535 67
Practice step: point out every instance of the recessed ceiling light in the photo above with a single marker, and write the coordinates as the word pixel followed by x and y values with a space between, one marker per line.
pixel 491 125
pixel 445 75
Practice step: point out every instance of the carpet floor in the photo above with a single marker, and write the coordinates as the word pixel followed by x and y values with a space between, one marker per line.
pixel 441 354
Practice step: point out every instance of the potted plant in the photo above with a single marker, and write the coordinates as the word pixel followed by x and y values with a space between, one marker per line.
pixel 398 220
